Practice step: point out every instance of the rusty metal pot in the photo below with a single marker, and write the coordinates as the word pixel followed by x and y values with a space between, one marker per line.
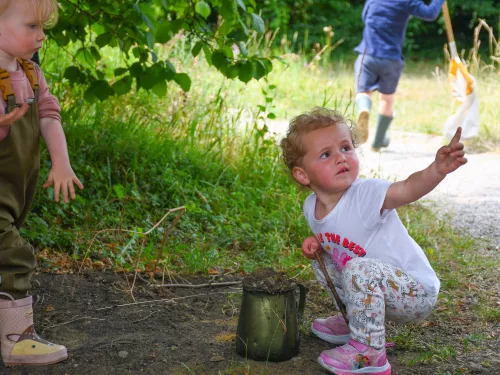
pixel 268 325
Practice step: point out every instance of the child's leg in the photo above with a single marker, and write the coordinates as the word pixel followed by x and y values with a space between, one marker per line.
pixel 19 342
pixel 17 260
pixel 390 73
pixel 374 290
pixel 365 79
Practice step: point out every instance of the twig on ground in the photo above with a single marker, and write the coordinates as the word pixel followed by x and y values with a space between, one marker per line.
pixel 147 317
pixel 158 301
pixel 195 286
pixel 71 321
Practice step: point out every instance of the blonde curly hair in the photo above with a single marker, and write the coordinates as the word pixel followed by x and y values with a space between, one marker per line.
pixel 292 147
pixel 46 11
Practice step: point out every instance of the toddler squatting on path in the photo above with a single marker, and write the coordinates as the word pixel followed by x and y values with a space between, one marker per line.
pixel 379 271
pixel 27 111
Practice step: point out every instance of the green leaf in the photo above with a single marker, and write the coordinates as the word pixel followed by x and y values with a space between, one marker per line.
pixel 160 89
pixel 231 72
pixel 246 71
pixel 98 90
pixel 123 86
pixel 136 69
pixel 169 70
pixel 120 71
pixel 86 58
pixel 177 25
pixel 269 64
pixel 148 81
pixel 242 5
pixel 203 9
pixel 208 54
pixel 196 49
pixel 163 33
pixel 183 81
pixel 119 191
pixel 103 39
pixel 95 53
pixel 219 60
pixel 150 39
pixel 243 49
pixel 258 23
pixel 260 70
pixel 72 73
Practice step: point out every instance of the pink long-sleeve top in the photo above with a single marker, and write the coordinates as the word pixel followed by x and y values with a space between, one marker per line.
pixel 47 103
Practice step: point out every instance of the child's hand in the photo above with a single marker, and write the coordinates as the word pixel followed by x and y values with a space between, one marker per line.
pixel 310 246
pixel 63 179
pixel 450 158
pixel 16 114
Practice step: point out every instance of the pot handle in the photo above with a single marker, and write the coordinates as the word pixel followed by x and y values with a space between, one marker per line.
pixel 302 300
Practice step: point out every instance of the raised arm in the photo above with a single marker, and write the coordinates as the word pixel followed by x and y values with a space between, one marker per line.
pixel 448 159
pixel 426 12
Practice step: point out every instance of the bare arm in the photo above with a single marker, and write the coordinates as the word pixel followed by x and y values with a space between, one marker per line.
pixel 448 159
pixel 61 174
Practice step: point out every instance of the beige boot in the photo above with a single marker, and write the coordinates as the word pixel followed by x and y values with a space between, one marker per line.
pixel 19 342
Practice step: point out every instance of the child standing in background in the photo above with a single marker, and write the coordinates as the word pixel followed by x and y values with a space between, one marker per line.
pixel 380 59
pixel 27 111
pixel 379 271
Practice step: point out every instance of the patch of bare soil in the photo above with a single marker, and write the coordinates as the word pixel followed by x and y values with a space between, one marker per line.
pixel 192 331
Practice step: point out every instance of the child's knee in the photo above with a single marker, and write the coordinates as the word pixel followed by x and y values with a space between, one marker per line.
pixel 359 269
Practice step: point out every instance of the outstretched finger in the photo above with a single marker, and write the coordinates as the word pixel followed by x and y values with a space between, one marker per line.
pixel 456 137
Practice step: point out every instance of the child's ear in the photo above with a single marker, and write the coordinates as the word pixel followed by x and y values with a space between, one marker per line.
pixel 300 175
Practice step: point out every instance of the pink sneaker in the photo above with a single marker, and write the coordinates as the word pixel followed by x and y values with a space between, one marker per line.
pixel 332 329
pixel 355 358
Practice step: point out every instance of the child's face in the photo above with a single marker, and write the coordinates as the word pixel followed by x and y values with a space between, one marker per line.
pixel 21 33
pixel 330 164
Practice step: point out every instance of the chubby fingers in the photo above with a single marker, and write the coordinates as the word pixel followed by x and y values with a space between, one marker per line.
pixel 310 246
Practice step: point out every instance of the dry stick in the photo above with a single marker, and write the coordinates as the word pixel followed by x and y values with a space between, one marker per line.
pixel 194 286
pixel 71 321
pixel 340 304
pixel 158 301
pixel 131 291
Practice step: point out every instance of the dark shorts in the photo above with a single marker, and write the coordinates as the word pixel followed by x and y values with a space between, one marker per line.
pixel 377 74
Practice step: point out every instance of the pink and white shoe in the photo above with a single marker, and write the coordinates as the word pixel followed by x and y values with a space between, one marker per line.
pixel 355 358
pixel 332 329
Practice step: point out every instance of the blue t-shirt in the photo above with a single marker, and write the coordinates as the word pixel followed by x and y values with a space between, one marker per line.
pixel 385 25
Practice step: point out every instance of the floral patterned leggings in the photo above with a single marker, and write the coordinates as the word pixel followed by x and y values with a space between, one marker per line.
pixel 374 291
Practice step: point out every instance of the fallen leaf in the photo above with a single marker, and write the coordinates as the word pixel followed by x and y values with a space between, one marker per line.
pixel 217 358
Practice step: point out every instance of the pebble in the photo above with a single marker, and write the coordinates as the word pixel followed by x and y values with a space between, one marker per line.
pixel 123 354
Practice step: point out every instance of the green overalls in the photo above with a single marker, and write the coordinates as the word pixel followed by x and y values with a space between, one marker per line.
pixel 19 166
